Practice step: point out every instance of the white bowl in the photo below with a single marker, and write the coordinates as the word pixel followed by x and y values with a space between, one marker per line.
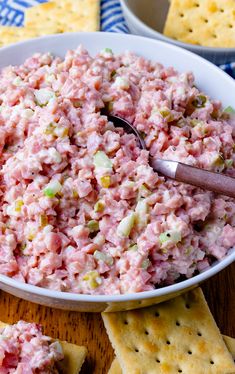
pixel 148 17
pixel 208 77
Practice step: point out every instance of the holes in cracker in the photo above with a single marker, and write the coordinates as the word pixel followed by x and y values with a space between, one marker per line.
pixel 199 333
pixel 146 332
pixel 180 371
pixel 187 306
pixel 221 10
pixel 190 352
pixel 211 362
pixel 157 314
pixel 136 350
pixel 168 342
pixel 181 15
pixel 177 323
pixel 190 30
pixel 158 361
pixel 125 322
pixel 230 26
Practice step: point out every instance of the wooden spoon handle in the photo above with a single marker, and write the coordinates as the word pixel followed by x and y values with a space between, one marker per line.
pixel 208 180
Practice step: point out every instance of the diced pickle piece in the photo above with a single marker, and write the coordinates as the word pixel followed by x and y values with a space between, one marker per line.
pixel 99 206
pixel 170 236
pixel 52 188
pixel 101 160
pixel 93 225
pixel 105 181
pixel 125 226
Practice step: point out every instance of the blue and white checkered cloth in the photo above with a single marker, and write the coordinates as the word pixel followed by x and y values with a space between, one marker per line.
pixel 12 14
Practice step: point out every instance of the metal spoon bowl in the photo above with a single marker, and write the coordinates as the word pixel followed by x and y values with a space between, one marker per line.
pixel 208 180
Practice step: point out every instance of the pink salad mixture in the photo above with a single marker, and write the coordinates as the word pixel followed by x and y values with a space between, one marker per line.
pixel 81 210
pixel 25 350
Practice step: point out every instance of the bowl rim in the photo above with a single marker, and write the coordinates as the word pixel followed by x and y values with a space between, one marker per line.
pixel 194 47
pixel 176 287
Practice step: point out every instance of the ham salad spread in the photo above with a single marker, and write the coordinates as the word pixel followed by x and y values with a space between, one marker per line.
pixel 81 210
pixel 25 350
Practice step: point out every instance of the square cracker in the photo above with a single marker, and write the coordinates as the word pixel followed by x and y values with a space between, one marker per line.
pixel 9 35
pixel 230 343
pixel 115 368
pixel 177 336
pixel 208 23
pixel 64 16
pixel 74 356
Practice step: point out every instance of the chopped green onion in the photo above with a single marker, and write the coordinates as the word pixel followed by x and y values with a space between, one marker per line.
pixel 125 226
pixel 52 188
pixel 101 160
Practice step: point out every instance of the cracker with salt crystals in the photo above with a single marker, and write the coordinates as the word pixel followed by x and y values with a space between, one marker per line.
pixel 53 18
pixel 64 16
pixel 115 368
pixel 74 356
pixel 204 22
pixel 178 336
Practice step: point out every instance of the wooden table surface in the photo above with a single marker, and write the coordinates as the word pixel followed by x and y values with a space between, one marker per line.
pixel 87 328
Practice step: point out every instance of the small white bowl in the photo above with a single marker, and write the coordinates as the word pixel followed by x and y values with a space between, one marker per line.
pixel 148 17
pixel 209 78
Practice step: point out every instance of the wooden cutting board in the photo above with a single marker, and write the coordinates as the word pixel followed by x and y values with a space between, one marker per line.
pixel 87 329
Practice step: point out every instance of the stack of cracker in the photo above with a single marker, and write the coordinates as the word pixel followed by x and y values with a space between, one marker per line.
pixel 208 23
pixel 178 336
pixel 52 18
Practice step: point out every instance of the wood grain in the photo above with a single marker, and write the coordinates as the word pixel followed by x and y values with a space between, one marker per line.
pixel 87 329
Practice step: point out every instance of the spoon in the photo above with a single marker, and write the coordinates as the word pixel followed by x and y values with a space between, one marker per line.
pixel 208 180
